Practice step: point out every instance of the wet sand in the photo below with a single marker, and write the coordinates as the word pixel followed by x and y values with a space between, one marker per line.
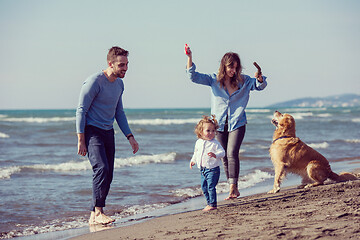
pixel 331 211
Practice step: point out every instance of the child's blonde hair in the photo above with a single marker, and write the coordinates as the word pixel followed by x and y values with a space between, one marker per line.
pixel 206 119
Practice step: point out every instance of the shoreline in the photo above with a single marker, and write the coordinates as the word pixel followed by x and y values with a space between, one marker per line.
pixel 331 211
pixel 192 204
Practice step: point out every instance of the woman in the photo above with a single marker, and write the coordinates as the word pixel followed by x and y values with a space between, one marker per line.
pixel 229 98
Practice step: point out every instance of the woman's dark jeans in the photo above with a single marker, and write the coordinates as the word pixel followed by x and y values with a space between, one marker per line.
pixel 231 142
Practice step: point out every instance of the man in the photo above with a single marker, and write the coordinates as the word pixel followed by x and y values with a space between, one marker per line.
pixel 100 103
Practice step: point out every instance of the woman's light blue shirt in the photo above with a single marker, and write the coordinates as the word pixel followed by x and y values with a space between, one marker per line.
pixel 222 104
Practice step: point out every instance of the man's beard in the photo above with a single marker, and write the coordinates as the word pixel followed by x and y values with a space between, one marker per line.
pixel 120 74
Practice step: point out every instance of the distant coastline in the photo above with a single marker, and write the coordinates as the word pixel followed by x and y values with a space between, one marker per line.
pixel 342 100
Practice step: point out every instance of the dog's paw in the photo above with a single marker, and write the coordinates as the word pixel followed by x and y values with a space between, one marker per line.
pixel 313 184
pixel 274 190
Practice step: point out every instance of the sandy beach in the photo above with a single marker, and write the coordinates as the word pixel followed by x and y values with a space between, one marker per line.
pixel 331 211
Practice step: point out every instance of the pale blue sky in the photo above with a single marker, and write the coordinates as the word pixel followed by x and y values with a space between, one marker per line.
pixel 48 48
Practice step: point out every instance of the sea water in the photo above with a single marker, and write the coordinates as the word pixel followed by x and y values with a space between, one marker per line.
pixel 46 187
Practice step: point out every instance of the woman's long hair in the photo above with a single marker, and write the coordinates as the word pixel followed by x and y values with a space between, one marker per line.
pixel 228 60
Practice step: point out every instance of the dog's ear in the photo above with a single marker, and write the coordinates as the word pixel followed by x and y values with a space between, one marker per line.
pixel 288 122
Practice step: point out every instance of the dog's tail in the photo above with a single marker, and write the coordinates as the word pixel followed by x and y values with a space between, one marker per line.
pixel 342 177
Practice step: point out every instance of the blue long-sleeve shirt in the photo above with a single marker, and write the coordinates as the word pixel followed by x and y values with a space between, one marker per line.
pixel 222 104
pixel 100 103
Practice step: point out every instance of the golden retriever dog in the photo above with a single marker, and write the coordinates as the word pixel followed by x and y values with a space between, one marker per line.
pixel 289 154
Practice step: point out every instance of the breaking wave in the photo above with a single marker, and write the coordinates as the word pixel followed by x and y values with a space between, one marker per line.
pixel 246 181
pixel 161 121
pixel 4 135
pixel 323 145
pixel 85 165
pixel 38 119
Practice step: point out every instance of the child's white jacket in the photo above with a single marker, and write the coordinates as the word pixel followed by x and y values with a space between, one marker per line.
pixel 201 157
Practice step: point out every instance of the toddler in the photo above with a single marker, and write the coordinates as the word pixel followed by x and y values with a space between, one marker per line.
pixel 207 154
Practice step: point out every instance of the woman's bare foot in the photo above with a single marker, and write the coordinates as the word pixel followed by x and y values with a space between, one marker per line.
pixel 209 208
pixel 234 192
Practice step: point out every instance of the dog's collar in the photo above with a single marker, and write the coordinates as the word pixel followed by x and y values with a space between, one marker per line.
pixel 281 138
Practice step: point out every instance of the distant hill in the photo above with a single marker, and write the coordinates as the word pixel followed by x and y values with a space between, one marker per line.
pixel 344 100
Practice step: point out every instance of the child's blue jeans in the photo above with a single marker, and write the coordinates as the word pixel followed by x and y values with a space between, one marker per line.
pixel 209 180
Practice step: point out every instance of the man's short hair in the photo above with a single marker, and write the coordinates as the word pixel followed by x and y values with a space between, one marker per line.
pixel 114 52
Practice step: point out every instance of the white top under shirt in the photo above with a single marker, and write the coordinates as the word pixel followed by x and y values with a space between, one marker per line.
pixel 201 157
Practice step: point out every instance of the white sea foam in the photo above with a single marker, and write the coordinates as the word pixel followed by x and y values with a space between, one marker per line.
pixel 246 181
pixel 119 162
pixel 324 115
pixel 252 179
pixel 303 109
pixel 51 226
pixel 187 192
pixel 39 120
pixel 260 110
pixel 319 145
pixel 160 121
pixel 4 135
pixel 62 167
pixel 145 159
pixel 296 115
pixel 8 171
pixel 352 140
pixel 138 209
pixel 356 120
pixel 85 165
pixel 302 115
pixel 78 222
